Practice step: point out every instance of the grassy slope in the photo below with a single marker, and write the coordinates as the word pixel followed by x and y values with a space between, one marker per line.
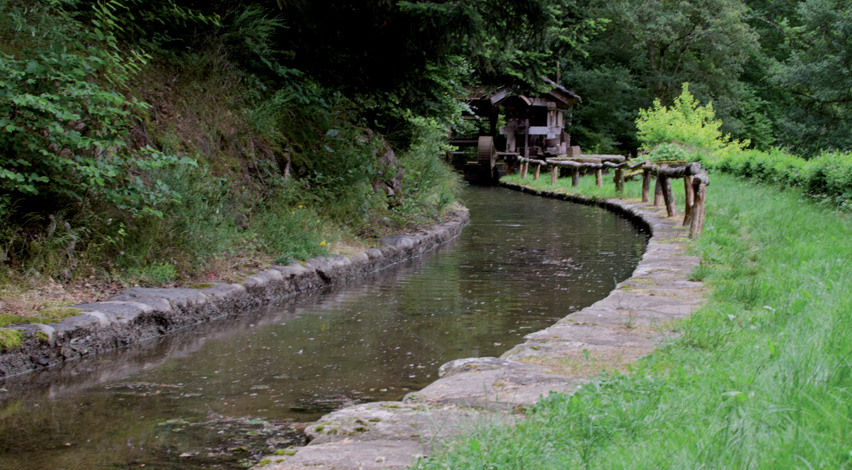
pixel 761 377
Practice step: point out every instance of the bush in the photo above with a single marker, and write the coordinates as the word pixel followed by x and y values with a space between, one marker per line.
pixel 66 122
pixel 685 122
pixel 826 177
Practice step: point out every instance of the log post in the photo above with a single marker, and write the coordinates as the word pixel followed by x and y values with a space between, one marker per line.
pixel 646 184
pixel 554 173
pixel 696 225
pixel 599 177
pixel 524 167
pixel 537 171
pixel 575 177
pixel 690 199
pixel 658 191
pixel 668 196
pixel 619 180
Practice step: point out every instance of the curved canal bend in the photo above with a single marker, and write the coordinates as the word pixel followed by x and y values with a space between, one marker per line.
pixel 216 395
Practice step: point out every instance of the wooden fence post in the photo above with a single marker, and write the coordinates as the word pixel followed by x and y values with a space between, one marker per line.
pixel 668 196
pixel 619 180
pixel 554 173
pixel 646 184
pixel 599 177
pixel 696 225
pixel 658 191
pixel 537 171
pixel 575 177
pixel 524 167
pixel 690 199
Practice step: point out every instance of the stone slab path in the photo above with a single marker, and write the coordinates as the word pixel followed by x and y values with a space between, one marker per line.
pixel 619 329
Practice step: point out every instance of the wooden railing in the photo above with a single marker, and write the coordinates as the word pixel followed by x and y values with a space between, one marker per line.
pixel 695 181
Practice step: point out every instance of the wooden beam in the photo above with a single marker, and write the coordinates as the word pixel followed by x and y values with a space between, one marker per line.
pixel 690 200
pixel 668 195
pixel 646 183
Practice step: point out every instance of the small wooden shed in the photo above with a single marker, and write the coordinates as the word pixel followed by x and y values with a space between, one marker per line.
pixel 536 124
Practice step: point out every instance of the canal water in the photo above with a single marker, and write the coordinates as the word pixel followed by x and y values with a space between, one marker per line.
pixel 220 394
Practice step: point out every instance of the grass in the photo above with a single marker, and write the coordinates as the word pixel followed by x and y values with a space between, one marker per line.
pixel 761 377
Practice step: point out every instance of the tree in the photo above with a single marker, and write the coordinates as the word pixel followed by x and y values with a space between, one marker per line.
pixel 817 76
pixel 648 49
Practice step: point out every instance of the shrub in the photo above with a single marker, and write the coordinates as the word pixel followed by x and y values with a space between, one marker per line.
pixel 66 122
pixel 826 177
pixel 685 122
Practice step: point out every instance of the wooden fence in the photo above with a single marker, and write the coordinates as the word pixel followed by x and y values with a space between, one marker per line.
pixel 695 181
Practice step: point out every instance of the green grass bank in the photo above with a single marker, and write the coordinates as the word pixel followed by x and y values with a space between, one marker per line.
pixel 761 377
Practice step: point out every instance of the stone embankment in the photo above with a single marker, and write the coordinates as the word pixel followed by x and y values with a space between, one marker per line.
pixel 138 314
pixel 623 327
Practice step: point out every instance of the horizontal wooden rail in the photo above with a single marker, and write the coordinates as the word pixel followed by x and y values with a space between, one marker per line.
pixel 695 180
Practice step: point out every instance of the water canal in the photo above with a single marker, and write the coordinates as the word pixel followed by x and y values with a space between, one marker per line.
pixel 216 395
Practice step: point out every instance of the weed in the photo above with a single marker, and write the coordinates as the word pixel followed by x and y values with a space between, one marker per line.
pixel 10 339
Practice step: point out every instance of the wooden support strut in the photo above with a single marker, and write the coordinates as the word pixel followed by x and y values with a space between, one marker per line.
pixel 666 183
pixel 619 180
pixel 690 199
pixel 699 188
pixel 695 182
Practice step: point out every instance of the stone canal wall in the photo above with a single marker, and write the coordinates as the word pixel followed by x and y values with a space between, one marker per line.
pixel 138 314
pixel 621 328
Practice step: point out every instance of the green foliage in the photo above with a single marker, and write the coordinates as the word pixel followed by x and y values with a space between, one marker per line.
pixel 66 123
pixel 429 185
pixel 827 177
pixel 291 232
pixel 686 122
pixel 670 152
pixel 817 76
pixel 10 339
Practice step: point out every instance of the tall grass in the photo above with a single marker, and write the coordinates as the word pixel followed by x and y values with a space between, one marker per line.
pixel 761 377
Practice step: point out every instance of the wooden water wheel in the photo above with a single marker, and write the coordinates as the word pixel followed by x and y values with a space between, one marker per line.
pixel 486 155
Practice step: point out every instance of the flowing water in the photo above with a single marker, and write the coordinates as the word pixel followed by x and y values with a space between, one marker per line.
pixel 219 394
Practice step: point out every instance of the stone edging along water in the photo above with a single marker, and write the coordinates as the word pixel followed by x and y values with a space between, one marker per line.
pixel 142 313
pixel 623 327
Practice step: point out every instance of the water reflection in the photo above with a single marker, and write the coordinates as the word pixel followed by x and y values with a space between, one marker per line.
pixel 189 398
